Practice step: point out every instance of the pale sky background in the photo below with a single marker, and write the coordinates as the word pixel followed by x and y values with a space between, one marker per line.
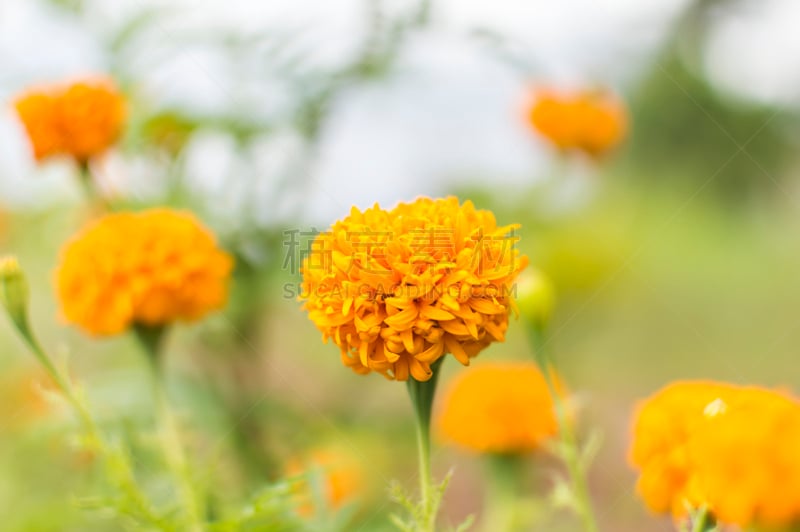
pixel 450 111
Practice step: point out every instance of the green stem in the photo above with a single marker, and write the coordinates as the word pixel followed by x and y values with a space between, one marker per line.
pixel 504 484
pixel 89 187
pixel 702 521
pixel 699 521
pixel 85 179
pixel 422 395
pixel 14 294
pixel 61 382
pixel 566 431
pixel 117 465
pixel 151 339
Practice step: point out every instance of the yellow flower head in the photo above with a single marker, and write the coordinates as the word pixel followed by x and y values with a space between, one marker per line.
pixel 81 120
pixel 150 268
pixel 499 408
pixel 397 289
pixel 746 461
pixel 590 121
pixel 662 428
pixel 731 449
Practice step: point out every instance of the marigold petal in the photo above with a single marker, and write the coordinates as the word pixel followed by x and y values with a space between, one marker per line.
pixel 435 313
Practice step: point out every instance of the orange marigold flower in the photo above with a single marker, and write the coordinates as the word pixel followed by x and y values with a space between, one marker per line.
pixel 590 121
pixel 396 290
pixel 746 461
pixel 499 408
pixel 24 397
pixel 338 473
pixel 149 268
pixel 81 120
pixel 731 449
pixel 661 431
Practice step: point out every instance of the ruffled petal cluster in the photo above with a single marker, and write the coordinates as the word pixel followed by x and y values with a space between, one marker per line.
pixel 731 449
pixel 499 408
pixel 152 267
pixel 398 289
pixel 81 120
pixel 592 122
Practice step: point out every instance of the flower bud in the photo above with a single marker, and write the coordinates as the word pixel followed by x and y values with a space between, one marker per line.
pixel 14 292
pixel 536 297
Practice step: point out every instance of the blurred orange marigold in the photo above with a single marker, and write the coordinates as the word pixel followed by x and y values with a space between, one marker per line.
pixel 747 462
pixel 340 476
pixel 661 431
pixel 149 268
pixel 731 449
pixel 590 121
pixel 24 397
pixel 81 120
pixel 499 408
pixel 398 289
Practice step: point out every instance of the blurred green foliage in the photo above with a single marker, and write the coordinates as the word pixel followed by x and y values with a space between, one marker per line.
pixel 686 129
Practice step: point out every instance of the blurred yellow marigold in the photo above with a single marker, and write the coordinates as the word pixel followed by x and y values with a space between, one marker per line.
pixel 590 121
pixel 150 268
pixel 499 408
pixel 747 461
pixel 81 120
pixel 661 431
pixel 732 449
pixel 398 289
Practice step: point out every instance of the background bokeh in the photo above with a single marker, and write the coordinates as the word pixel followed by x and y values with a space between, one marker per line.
pixel 674 257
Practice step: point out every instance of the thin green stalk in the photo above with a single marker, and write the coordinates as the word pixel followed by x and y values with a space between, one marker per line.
pixel 702 521
pixel 14 296
pixel 85 179
pixel 699 521
pixel 117 466
pixel 422 395
pixel 151 340
pixel 90 187
pixel 425 476
pixel 63 383
pixel 566 431
pixel 503 488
